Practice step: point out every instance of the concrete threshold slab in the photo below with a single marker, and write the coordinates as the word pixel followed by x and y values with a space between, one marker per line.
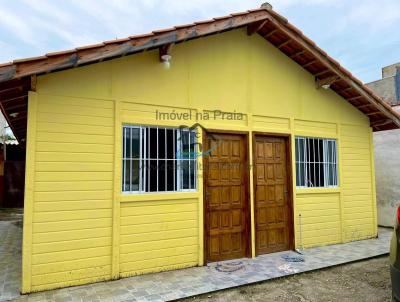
pixel 172 285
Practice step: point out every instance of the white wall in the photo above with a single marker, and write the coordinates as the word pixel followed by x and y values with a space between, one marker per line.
pixel 387 167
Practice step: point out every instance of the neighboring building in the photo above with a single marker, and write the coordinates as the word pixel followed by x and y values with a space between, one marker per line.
pixel 387 149
pixel 116 186
pixel 389 86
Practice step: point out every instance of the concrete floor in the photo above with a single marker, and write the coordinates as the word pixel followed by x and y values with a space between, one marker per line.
pixel 181 283
pixel 10 252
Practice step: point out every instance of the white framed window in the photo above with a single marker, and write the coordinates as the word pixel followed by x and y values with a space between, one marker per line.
pixel 316 162
pixel 158 159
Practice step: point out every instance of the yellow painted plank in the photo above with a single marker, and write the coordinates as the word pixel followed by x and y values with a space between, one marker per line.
pixel 183 265
pixel 73 234
pixel 49 247
pixel 158 253
pixel 41 269
pixel 76 110
pixel 158 209
pixel 73 195
pixel 79 176
pixel 99 270
pixel 71 215
pixel 73 147
pixel 158 262
pixel 58 226
pixel 49 99
pixel 55 257
pixel 167 217
pixel 66 283
pixel 152 245
pixel 75 129
pixel 72 205
pixel 155 236
pixel 66 118
pixel 73 167
pixel 158 227
pixel 54 186
pixel 317 219
pixel 321 225
pixel 74 138
pixel 73 157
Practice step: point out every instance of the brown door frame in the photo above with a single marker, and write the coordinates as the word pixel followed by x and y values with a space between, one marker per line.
pixel 289 175
pixel 248 208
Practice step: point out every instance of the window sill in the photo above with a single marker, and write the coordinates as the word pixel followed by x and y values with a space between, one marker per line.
pixel 129 197
pixel 317 190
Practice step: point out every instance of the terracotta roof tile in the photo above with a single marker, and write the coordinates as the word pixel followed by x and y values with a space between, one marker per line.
pixel 239 13
pixel 58 53
pixel 122 40
pixel 29 59
pixel 6 64
pixel 222 18
pixel 205 21
pixel 141 36
pixel 184 25
pixel 90 46
pixel 160 31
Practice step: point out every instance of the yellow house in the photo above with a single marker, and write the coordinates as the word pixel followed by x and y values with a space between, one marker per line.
pixel 222 139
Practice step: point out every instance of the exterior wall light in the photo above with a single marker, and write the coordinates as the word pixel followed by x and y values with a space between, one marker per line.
pixel 165 55
pixel 166 60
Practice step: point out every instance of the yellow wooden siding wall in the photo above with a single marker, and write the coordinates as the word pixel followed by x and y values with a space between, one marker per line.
pixel 158 235
pixel 80 228
pixel 317 214
pixel 359 207
pixel 73 183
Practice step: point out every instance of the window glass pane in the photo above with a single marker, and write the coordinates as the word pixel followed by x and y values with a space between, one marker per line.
pixel 161 175
pixel 161 143
pixel 126 174
pixel 135 175
pixel 127 145
pixel 185 144
pixel 303 174
pixel 170 175
pixel 170 143
pixel 193 174
pixel 193 146
pixel 153 143
pixel 298 176
pixel 135 147
pixel 185 174
pixel 153 176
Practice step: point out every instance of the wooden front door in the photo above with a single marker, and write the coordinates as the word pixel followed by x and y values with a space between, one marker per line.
pixel 226 196
pixel 273 205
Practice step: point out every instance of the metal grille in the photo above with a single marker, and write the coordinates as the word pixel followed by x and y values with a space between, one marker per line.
pixel 158 159
pixel 316 162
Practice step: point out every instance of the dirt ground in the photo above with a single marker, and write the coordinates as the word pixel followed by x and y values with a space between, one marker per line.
pixel 361 281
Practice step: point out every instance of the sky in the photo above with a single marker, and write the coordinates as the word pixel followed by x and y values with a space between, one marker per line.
pixel 363 35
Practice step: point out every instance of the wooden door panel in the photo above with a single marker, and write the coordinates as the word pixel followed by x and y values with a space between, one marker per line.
pixel 272 202
pixel 226 198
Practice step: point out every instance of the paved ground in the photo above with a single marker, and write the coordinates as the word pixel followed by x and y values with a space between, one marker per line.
pixel 182 283
pixel 10 252
pixel 367 280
